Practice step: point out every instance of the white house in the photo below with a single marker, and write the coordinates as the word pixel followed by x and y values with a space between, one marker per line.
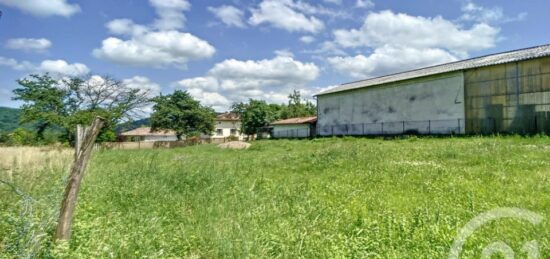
pixel 227 125
pixel 146 135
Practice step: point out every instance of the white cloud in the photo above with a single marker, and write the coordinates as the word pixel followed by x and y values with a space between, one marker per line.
pixel 144 84
pixel 158 45
pixel 170 13
pixel 229 15
pixel 55 67
pixel 337 2
pixel 16 65
pixel 388 59
pixel 400 42
pixel 476 13
pixel 284 53
pixel 156 49
pixel 29 44
pixel 286 15
pixel 44 7
pixel 307 39
pixel 235 80
pixel 61 67
pixel 386 27
pixel 364 4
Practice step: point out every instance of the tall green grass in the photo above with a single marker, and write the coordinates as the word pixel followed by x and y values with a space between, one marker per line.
pixel 342 197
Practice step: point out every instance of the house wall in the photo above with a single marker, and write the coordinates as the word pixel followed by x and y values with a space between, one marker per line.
pixel 509 98
pixel 433 104
pixel 226 127
pixel 292 131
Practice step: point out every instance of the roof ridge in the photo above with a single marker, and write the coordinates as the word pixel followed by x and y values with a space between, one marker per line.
pixel 464 61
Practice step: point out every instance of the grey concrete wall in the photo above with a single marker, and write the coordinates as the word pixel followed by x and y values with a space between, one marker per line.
pixel 291 131
pixel 427 105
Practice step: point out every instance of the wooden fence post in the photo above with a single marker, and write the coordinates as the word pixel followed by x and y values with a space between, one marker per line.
pixel 85 143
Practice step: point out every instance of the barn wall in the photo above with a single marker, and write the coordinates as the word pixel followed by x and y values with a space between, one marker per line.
pixel 291 131
pixel 509 98
pixel 427 105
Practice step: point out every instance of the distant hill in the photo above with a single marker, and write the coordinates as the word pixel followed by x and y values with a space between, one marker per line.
pixel 9 119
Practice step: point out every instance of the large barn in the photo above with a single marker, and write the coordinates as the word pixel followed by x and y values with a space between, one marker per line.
pixel 502 93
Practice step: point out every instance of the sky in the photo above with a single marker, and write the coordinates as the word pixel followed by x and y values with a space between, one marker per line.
pixel 223 52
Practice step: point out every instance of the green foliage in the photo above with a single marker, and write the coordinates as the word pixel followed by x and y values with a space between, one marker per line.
pixel 180 112
pixel 255 115
pixel 297 107
pixel 325 198
pixel 9 119
pixel 21 137
pixel 65 103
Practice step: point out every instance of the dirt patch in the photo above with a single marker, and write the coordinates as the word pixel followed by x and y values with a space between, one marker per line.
pixel 235 145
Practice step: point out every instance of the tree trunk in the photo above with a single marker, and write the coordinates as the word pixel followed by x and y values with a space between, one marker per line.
pixel 85 143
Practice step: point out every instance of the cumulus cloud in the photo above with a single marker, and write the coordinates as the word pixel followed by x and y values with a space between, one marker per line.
pixel 170 13
pixel 387 27
pixel 383 61
pixel 229 15
pixel 477 13
pixel 337 2
pixel 158 45
pixel 416 41
pixel 55 67
pixel 144 84
pixel 44 7
pixel 236 80
pixel 287 15
pixel 61 67
pixel 29 44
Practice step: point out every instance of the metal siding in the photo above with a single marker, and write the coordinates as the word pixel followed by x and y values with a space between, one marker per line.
pixel 508 98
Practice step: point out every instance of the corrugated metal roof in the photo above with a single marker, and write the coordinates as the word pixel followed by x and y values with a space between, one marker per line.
pixel 495 59
pixel 292 121
pixel 146 131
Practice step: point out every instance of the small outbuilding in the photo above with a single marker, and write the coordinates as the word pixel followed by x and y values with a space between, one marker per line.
pixel 303 127
pixel 145 134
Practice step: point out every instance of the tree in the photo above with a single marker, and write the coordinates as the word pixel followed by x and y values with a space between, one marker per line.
pixel 255 115
pixel 65 103
pixel 183 114
pixel 297 107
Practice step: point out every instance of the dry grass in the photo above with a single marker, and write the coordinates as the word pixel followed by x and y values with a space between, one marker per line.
pixel 31 159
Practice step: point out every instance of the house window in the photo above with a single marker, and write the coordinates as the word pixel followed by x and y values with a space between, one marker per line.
pixel 219 132
pixel 233 132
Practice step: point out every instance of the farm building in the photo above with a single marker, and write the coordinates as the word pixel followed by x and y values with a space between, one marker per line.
pixel 146 135
pixel 502 93
pixel 303 127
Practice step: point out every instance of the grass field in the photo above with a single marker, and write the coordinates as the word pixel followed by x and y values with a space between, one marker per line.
pixel 323 198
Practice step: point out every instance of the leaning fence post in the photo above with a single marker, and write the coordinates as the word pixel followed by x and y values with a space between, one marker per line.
pixel 85 142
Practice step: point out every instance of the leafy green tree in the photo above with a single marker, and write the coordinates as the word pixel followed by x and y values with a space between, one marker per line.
pixel 22 136
pixel 298 107
pixel 49 102
pixel 180 112
pixel 255 115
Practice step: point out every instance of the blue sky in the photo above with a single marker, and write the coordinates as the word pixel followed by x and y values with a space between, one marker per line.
pixel 228 51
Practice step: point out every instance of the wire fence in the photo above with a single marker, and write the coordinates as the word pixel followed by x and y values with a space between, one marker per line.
pixel 427 127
